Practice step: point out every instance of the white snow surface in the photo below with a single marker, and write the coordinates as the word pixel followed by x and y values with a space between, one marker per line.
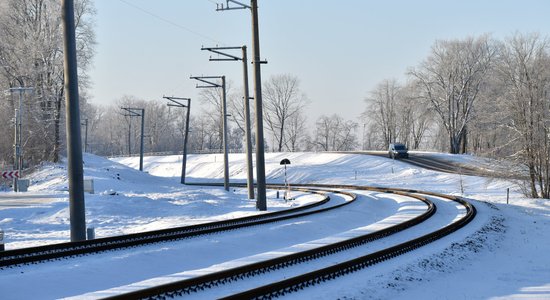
pixel 503 254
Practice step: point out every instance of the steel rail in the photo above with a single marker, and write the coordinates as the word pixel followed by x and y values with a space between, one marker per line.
pixel 296 283
pixel 37 254
pixel 187 286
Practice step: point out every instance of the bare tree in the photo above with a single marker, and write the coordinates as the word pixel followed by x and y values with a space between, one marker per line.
pixel 415 117
pixel 31 55
pixel 524 73
pixel 452 78
pixel 335 134
pixel 165 127
pixel 381 110
pixel 395 113
pixel 235 108
pixel 296 132
pixel 282 100
pixel 213 97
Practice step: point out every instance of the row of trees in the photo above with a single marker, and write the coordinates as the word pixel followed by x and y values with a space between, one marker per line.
pixel 473 95
pixel 110 131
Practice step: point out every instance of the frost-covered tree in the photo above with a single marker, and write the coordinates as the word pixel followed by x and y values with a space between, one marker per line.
pixel 31 55
pixel 395 113
pixel 335 134
pixel 452 78
pixel 524 73
pixel 282 100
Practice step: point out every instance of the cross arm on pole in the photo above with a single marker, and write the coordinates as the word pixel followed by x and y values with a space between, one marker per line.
pixel 175 102
pixel 131 112
pixel 219 6
pixel 218 50
pixel 205 79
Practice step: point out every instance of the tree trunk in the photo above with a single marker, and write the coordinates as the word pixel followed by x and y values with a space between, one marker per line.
pixel 464 141
pixel 532 181
pixel 281 137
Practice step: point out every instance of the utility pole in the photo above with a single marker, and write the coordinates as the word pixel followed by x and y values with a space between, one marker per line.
pixel 260 152
pixel 74 140
pixel 211 84
pixel 176 103
pixel 246 97
pixel 136 112
pixel 17 146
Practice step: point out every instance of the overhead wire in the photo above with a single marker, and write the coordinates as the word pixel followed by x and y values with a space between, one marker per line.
pixel 169 21
pixel 165 20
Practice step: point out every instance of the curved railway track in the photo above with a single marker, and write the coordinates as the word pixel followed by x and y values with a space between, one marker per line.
pixel 214 279
pixel 297 283
pixel 191 285
pixel 38 254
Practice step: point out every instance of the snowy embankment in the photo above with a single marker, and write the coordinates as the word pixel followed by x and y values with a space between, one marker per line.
pixel 502 253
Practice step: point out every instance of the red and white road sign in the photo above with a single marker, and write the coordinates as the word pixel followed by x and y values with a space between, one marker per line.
pixel 10 174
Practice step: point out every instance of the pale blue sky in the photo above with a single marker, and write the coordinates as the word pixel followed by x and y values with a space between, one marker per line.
pixel 340 50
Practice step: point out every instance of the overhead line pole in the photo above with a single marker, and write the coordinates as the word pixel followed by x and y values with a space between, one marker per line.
pixel 211 84
pixel 246 98
pixel 74 140
pixel 260 151
pixel 188 106
pixel 132 113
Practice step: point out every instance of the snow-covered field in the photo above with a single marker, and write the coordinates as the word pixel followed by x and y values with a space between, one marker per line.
pixel 503 253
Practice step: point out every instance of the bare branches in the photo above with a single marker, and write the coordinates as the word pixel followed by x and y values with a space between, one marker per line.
pixel 335 134
pixel 282 100
pixel 452 78
pixel 31 54
pixel 525 81
pixel 395 113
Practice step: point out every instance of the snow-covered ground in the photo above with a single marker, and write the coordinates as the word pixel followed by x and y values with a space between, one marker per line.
pixel 503 253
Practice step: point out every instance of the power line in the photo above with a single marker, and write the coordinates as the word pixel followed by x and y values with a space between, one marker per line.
pixel 168 21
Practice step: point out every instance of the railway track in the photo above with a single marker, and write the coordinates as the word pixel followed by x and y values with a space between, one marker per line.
pixel 319 276
pixel 11 258
pixel 214 279
pixel 192 285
